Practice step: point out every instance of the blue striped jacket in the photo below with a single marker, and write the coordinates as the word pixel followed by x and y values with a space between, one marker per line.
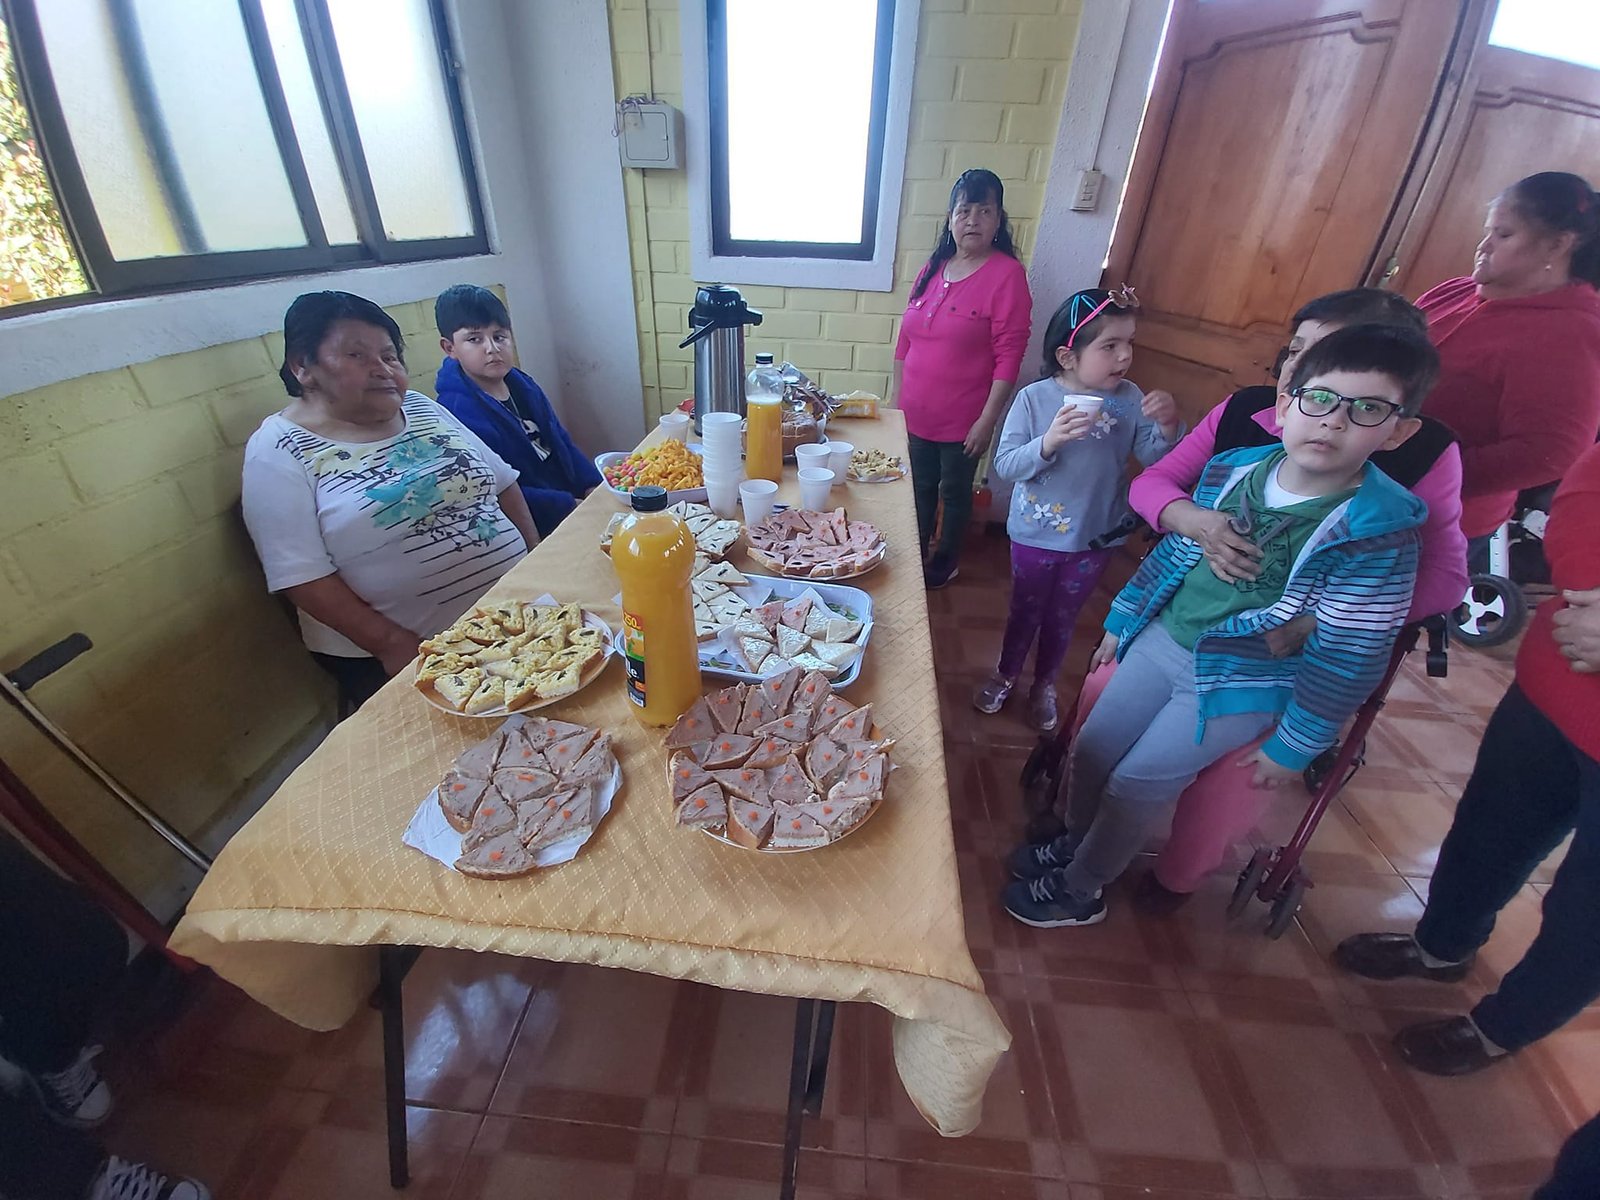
pixel 1354 574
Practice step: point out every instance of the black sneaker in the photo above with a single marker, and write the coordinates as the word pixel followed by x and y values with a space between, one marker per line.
pixel 939 572
pixel 1037 859
pixel 1045 903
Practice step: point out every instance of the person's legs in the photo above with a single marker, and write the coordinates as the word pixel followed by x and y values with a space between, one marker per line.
pixel 1075 582
pixel 1145 784
pixel 1034 575
pixel 1520 801
pixel 359 679
pixel 1560 973
pixel 1577 1169
pixel 59 956
pixel 1138 690
pixel 925 468
pixel 41 1159
pixel 956 474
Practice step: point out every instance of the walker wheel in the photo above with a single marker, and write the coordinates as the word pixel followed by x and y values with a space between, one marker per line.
pixel 1492 612
pixel 1249 881
pixel 1286 906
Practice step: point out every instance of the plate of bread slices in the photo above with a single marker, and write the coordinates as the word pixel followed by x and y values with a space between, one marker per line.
pixel 753 626
pixel 529 795
pixel 714 536
pixel 512 656
pixel 816 545
pixel 783 766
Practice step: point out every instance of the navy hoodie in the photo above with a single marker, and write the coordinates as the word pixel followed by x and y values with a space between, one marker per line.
pixel 551 485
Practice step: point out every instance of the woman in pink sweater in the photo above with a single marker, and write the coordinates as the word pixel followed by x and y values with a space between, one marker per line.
pixel 961 342
pixel 1430 462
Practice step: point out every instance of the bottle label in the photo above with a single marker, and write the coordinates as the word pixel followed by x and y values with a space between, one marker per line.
pixel 633 656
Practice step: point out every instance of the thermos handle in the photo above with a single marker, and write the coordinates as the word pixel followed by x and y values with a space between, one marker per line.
pixel 697 334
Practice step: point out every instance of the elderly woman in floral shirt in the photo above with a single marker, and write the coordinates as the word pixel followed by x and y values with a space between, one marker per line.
pixel 376 512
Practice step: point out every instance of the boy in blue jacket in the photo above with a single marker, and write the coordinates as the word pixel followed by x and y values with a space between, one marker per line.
pixel 1208 665
pixel 504 406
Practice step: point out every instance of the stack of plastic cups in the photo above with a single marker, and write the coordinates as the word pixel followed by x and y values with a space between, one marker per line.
pixel 722 440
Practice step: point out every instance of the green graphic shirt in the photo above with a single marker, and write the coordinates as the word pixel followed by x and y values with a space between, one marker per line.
pixel 1202 600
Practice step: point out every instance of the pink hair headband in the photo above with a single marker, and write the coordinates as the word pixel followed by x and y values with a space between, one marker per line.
pixel 1122 297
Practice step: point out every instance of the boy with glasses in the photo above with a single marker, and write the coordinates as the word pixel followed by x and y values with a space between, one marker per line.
pixel 1200 673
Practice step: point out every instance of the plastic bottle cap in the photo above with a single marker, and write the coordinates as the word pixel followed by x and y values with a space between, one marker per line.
pixel 649 499
pixel 763 359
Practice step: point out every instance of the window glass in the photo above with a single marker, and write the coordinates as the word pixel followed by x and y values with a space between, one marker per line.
pixel 1564 29
pixel 397 89
pixel 797 151
pixel 310 129
pixel 175 146
pixel 37 260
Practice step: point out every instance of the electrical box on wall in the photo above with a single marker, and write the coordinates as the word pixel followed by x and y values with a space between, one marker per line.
pixel 648 133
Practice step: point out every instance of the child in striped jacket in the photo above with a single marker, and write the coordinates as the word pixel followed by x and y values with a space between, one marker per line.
pixel 1208 665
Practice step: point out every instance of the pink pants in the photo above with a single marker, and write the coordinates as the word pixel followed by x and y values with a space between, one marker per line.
pixel 1218 809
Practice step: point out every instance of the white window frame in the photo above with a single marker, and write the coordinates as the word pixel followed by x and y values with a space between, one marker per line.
pixel 866 275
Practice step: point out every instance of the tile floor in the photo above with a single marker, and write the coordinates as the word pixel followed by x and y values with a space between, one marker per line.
pixel 1164 1058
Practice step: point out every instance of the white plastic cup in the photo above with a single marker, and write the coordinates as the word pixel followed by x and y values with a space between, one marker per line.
pixel 675 425
pixel 723 495
pixel 757 496
pixel 839 459
pixel 1089 404
pixel 719 420
pixel 812 454
pixel 815 484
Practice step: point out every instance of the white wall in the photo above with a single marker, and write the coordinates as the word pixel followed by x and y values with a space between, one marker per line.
pixel 1116 51
pixel 547 167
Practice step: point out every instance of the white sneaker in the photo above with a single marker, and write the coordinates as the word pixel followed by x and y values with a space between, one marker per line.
pixel 76 1095
pixel 122 1180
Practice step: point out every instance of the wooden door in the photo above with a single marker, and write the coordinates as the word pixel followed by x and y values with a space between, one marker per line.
pixel 1273 149
pixel 1517 113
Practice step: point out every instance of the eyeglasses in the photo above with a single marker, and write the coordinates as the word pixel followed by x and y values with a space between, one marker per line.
pixel 1123 298
pixel 1364 410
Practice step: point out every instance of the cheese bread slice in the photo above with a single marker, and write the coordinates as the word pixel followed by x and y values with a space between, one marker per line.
pixel 455 690
pixel 491 694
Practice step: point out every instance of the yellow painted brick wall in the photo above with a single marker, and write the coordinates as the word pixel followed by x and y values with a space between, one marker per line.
pixel 118 518
pixel 987 92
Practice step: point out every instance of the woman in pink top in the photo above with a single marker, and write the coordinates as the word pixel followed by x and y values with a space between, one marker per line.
pixel 956 363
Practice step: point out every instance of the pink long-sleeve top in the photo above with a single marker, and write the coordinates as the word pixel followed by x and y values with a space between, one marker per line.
pixel 956 339
pixel 1442 565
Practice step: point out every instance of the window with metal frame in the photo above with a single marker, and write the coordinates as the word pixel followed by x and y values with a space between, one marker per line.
pixel 198 143
pixel 797 158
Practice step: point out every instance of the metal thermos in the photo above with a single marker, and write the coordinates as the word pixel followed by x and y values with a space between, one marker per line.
pixel 716 331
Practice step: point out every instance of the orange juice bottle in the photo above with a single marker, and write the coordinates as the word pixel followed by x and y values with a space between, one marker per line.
pixel 653 553
pixel 763 439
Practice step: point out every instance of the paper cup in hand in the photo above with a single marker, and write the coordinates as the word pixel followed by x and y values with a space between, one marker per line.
pixel 1089 404
pixel 757 496
pixel 815 483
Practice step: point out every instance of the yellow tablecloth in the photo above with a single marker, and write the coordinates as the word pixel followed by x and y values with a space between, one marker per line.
pixel 320 874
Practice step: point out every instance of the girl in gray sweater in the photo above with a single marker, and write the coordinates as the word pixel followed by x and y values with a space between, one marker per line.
pixel 1065 446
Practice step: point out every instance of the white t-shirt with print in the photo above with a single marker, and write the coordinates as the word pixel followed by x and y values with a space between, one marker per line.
pixel 412 523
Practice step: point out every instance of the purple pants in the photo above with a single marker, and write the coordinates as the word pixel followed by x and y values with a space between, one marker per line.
pixel 1048 588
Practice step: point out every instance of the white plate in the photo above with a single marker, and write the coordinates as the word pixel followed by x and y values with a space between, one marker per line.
pixel 590 621
pixel 611 458
pixel 430 833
